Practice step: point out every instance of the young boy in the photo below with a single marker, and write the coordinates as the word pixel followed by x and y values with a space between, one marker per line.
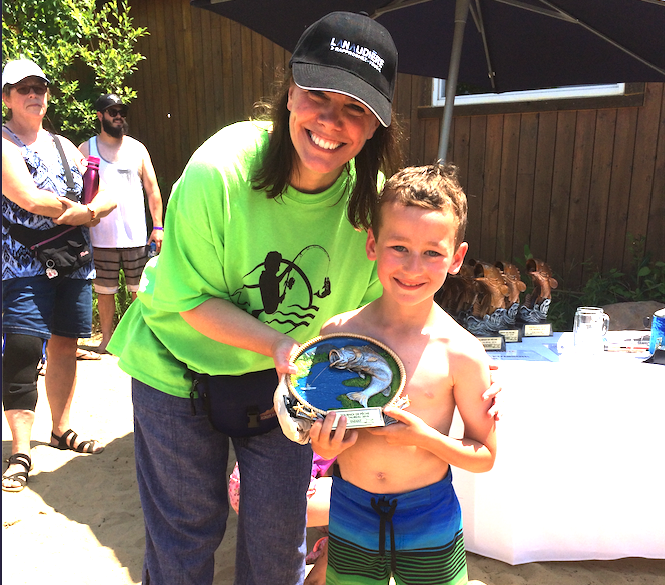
pixel 393 508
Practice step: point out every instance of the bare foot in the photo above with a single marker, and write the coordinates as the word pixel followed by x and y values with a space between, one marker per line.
pixel 101 348
pixel 84 354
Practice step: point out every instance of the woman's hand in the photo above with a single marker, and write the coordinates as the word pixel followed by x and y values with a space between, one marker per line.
pixel 74 214
pixel 282 349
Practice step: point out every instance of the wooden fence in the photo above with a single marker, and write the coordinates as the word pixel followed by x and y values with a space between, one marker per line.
pixel 575 185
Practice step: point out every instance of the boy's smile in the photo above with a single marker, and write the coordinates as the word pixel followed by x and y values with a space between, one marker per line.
pixel 414 250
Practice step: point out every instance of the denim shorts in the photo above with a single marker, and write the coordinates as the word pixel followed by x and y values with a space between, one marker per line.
pixel 39 307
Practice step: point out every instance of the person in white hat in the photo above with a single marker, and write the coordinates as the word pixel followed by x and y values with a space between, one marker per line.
pixel 35 307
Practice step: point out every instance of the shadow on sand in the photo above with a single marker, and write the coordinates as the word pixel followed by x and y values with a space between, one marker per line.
pixel 102 494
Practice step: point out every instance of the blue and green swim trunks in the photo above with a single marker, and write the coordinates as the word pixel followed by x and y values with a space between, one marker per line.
pixel 416 537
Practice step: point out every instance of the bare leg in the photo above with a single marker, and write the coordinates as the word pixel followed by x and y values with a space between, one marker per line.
pixel 106 308
pixel 317 574
pixel 20 423
pixel 318 506
pixel 61 383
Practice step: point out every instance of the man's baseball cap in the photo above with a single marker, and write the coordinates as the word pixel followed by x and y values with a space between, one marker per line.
pixel 18 70
pixel 350 54
pixel 107 100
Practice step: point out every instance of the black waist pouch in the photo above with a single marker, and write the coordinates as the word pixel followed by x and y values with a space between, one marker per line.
pixel 61 249
pixel 240 406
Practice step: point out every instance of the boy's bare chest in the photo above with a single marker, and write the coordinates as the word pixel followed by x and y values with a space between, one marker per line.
pixel 429 386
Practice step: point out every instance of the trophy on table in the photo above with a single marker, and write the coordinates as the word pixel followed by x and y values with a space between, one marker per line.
pixel 512 279
pixel 485 299
pixel 533 313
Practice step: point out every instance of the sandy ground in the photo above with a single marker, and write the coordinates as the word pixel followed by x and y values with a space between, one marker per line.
pixel 79 520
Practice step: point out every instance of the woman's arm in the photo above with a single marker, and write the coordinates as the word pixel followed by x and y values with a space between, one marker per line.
pixel 19 188
pixel 224 322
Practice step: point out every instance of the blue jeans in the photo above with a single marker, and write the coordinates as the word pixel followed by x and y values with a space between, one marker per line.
pixel 39 307
pixel 181 464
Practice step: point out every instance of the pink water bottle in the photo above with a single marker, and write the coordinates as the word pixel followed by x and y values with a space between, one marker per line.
pixel 91 180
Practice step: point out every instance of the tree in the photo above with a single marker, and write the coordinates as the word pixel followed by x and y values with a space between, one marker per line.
pixel 85 48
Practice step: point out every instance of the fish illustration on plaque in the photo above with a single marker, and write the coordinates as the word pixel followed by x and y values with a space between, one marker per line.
pixel 348 374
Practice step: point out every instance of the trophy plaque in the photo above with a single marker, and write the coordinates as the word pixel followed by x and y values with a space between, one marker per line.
pixel 351 375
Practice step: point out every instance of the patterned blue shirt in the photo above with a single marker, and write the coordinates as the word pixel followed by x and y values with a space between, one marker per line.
pixel 49 174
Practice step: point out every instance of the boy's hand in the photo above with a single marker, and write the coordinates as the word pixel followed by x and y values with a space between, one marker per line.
pixel 408 430
pixel 492 392
pixel 329 445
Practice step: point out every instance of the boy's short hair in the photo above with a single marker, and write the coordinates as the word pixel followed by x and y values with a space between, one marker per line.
pixel 434 186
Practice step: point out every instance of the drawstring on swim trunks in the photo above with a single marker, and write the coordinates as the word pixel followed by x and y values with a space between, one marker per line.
pixel 386 510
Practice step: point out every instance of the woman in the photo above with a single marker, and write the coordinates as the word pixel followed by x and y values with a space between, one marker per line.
pixel 36 308
pixel 258 252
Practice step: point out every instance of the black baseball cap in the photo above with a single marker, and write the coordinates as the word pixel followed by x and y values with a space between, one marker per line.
pixel 351 54
pixel 107 100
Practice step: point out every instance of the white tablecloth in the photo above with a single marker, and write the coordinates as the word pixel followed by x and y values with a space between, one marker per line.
pixel 580 467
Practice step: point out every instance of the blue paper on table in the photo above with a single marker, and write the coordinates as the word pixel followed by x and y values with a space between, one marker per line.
pixel 524 355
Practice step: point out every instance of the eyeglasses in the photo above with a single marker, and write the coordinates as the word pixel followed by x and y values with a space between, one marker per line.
pixel 117 112
pixel 27 89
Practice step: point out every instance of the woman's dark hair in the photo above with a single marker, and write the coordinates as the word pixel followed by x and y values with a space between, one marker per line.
pixel 381 153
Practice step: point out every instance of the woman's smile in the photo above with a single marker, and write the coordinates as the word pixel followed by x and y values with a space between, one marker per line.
pixel 323 143
pixel 327 129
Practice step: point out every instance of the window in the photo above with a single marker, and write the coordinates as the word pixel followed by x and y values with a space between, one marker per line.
pixel 465 97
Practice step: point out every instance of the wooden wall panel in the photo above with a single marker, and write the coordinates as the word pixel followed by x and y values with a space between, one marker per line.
pixel 492 184
pixel 601 170
pixel 619 194
pixel 656 231
pixel 507 188
pixel 644 169
pixel 572 185
pixel 579 196
pixel 476 178
pixel 526 165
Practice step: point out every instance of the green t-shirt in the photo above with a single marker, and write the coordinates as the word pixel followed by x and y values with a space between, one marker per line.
pixel 292 262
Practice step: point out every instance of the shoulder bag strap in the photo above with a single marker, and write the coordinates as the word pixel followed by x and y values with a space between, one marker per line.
pixel 71 194
pixel 9 134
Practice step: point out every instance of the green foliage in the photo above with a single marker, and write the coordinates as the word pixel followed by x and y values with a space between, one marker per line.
pixel 123 299
pixel 83 50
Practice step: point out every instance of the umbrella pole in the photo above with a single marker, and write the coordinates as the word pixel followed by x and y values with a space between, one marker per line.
pixel 461 12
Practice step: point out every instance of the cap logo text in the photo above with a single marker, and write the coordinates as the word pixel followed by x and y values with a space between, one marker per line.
pixel 359 52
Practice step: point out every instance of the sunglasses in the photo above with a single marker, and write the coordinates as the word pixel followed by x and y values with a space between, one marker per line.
pixel 27 89
pixel 117 112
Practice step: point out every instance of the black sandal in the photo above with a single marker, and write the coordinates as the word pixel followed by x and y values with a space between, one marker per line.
pixel 22 476
pixel 84 446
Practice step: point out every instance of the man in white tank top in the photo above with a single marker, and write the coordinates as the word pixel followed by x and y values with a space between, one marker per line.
pixel 120 238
